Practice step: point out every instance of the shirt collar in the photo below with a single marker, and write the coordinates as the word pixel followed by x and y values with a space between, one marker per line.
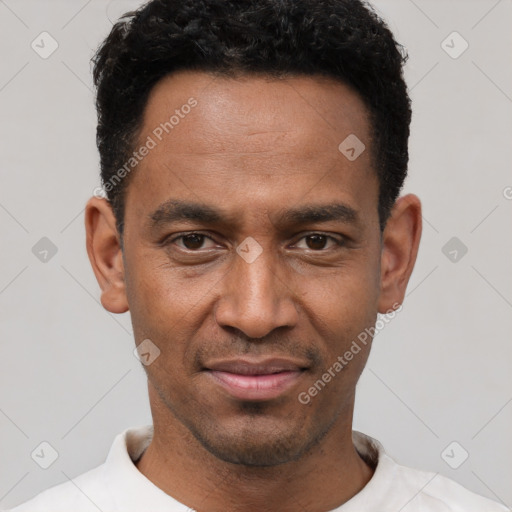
pixel 130 489
pixel 377 494
pixel 133 492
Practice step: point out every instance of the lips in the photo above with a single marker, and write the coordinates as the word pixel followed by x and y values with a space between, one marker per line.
pixel 255 380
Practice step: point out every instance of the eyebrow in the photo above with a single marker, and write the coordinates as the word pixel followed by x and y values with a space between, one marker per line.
pixel 308 214
pixel 175 210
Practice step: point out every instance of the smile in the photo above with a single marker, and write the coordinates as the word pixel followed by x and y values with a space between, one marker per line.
pixel 264 380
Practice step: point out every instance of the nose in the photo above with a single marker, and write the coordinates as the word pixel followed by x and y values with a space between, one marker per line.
pixel 256 297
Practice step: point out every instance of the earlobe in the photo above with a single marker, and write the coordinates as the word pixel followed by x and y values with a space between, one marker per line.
pixel 105 254
pixel 400 243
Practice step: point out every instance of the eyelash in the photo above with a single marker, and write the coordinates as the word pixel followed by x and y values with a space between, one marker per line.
pixel 168 241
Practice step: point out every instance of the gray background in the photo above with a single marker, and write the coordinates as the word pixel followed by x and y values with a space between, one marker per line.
pixel 439 372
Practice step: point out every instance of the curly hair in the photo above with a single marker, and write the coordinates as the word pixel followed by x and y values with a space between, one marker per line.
pixel 341 39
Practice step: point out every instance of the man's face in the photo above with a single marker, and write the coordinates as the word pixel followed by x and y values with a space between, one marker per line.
pixel 254 165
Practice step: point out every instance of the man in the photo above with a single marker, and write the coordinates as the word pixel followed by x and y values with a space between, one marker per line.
pixel 252 153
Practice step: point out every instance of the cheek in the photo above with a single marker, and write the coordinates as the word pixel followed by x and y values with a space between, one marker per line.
pixel 162 295
pixel 169 307
pixel 340 306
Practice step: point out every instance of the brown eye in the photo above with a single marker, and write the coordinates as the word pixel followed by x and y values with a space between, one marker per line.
pixel 319 242
pixel 193 241
pixel 316 242
pixel 197 242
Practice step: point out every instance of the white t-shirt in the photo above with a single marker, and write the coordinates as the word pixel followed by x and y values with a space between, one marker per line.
pixel 118 486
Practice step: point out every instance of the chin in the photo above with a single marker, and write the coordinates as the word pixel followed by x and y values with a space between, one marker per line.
pixel 257 443
pixel 265 453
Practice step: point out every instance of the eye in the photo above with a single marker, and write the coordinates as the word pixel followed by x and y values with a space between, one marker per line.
pixel 194 242
pixel 318 242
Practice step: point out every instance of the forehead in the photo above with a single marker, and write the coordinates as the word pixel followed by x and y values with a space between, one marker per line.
pixel 219 138
pixel 228 110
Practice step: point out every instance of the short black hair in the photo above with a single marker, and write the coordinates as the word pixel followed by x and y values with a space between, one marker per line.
pixel 341 39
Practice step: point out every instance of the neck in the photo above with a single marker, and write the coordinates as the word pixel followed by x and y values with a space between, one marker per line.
pixel 327 476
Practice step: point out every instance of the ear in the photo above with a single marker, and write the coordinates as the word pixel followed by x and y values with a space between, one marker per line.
pixel 400 242
pixel 105 254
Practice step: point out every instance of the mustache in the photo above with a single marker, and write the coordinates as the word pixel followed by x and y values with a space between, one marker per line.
pixel 269 346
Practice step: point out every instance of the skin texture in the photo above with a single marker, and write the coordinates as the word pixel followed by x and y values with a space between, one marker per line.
pixel 253 148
